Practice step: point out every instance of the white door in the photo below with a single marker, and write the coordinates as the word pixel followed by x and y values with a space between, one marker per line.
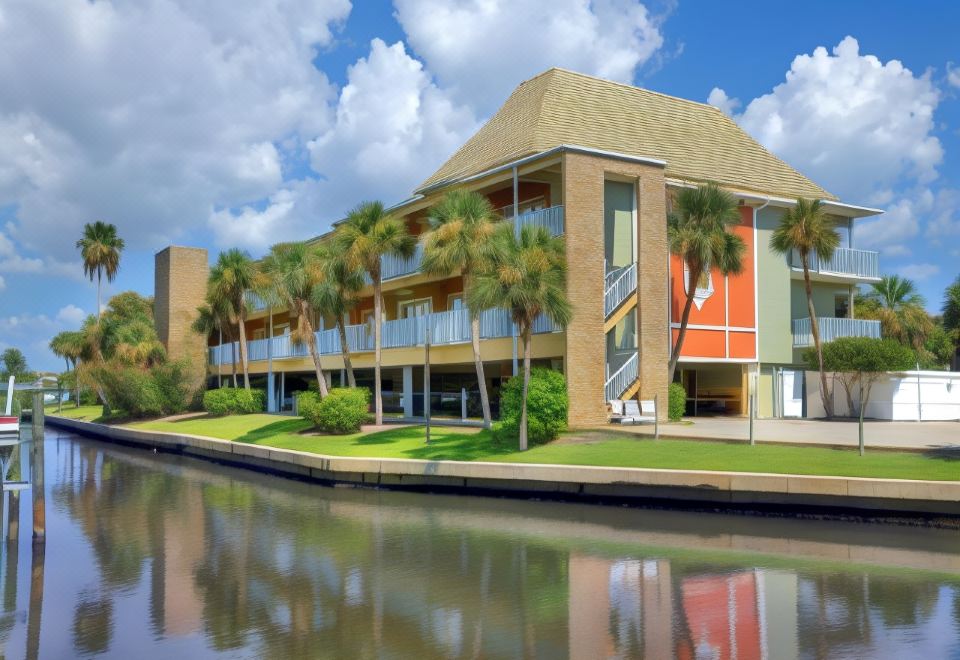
pixel 791 384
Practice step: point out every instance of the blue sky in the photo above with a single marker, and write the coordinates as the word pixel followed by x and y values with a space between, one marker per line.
pixel 243 123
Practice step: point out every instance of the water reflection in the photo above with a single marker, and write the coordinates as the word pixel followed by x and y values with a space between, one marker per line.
pixel 153 556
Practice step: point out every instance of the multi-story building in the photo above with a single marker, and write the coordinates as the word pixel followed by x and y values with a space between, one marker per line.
pixel 596 162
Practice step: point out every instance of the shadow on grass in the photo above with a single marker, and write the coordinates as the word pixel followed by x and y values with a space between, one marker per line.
pixel 948 453
pixel 287 426
pixel 452 446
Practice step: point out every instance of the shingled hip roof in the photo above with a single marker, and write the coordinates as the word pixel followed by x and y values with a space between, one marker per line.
pixel 559 107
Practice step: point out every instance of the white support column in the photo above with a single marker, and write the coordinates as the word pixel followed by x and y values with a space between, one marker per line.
pixel 408 391
pixel 463 403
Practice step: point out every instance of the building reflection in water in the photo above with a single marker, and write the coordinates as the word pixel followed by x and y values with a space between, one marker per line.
pixel 221 561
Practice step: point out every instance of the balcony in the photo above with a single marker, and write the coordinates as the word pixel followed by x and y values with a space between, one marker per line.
pixel 452 327
pixel 833 328
pixel 845 263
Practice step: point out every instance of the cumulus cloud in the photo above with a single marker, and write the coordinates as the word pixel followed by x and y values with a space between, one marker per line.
pixel 719 99
pixel 891 232
pixel 145 113
pixel 392 126
pixel 919 271
pixel 851 122
pixel 482 48
pixel 953 75
pixel 71 315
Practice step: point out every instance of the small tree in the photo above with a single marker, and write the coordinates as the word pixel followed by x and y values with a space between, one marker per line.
pixel 859 362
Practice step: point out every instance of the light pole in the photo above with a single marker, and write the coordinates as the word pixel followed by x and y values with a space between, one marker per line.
pixel 426 379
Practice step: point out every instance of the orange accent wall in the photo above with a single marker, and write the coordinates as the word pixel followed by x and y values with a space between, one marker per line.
pixel 740 313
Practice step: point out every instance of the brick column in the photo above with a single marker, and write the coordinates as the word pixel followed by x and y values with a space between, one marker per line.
pixel 180 284
pixel 653 319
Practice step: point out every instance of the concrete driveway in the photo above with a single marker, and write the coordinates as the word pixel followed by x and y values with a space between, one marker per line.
pixel 891 435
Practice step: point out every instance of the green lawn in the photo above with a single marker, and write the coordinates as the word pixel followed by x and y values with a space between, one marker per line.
pixel 615 451
pixel 84 413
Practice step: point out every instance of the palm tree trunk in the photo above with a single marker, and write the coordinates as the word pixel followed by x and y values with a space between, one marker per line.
pixel 76 382
pixel 243 351
pixel 233 361
pixel 345 352
pixel 481 379
pixel 315 356
pixel 684 319
pixel 99 278
pixel 825 394
pixel 525 334
pixel 377 386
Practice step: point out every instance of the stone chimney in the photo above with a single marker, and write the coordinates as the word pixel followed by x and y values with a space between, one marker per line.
pixel 180 285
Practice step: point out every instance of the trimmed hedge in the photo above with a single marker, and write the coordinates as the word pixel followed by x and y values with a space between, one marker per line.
pixel 163 389
pixel 342 411
pixel 678 402
pixel 234 401
pixel 547 407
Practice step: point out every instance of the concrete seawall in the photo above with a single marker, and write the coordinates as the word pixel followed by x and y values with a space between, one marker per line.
pixel 689 488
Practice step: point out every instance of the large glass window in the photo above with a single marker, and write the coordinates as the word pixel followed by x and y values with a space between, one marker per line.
pixel 618 224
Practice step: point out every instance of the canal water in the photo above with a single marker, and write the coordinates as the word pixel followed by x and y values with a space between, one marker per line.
pixel 156 556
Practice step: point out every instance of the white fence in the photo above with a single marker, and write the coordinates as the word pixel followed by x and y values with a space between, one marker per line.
pixel 903 396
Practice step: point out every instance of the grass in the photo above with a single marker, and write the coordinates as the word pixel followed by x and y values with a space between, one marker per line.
pixel 450 443
pixel 83 413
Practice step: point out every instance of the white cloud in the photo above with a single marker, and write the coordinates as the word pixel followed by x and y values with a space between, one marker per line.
pixel 919 271
pixel 481 49
pixel 853 123
pixel 3 283
pixel 146 113
pixel 891 232
pixel 953 75
pixel 719 99
pixel 944 217
pixel 71 315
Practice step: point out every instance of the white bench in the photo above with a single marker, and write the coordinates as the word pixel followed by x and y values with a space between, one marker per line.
pixel 633 412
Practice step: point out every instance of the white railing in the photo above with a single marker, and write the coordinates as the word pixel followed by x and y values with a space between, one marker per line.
pixel 833 328
pixel 846 262
pixel 551 218
pixel 254 302
pixel 621 288
pixel 452 327
pixel 624 377
pixel 392 266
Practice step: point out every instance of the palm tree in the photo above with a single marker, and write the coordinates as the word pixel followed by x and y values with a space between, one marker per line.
pixel 292 271
pixel 336 294
pixel 527 276
pixel 213 316
pixel 698 231
pixel 894 302
pixel 70 346
pixel 100 250
pixel 808 230
pixel 230 278
pixel 461 228
pixel 369 233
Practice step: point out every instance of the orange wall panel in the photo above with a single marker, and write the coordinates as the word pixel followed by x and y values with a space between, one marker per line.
pixel 703 343
pixel 743 286
pixel 743 345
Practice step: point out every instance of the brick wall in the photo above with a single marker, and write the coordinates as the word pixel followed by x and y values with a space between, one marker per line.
pixel 180 282
pixel 583 177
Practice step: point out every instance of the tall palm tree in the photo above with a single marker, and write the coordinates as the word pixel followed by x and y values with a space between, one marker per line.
pixel 461 228
pixel 894 302
pixel 336 294
pixel 527 276
pixel 291 272
pixel 70 346
pixel 100 249
pixel 214 316
pixel 808 230
pixel 231 277
pixel 698 231
pixel 369 233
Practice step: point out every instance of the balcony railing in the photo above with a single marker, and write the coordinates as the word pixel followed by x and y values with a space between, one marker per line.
pixel 452 327
pixel 845 262
pixel 833 328
pixel 618 383
pixel 619 287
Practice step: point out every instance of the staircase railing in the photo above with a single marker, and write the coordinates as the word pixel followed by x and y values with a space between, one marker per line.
pixel 621 288
pixel 624 377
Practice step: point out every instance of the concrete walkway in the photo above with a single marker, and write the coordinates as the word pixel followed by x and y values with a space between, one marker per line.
pixel 888 435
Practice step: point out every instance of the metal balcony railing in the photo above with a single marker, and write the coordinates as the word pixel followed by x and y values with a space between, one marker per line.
pixel 619 287
pixel 845 262
pixel 451 327
pixel 833 328
pixel 623 378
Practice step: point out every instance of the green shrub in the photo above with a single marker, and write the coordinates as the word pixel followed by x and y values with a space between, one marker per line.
pixel 341 411
pixel 547 406
pixel 234 401
pixel 677 405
